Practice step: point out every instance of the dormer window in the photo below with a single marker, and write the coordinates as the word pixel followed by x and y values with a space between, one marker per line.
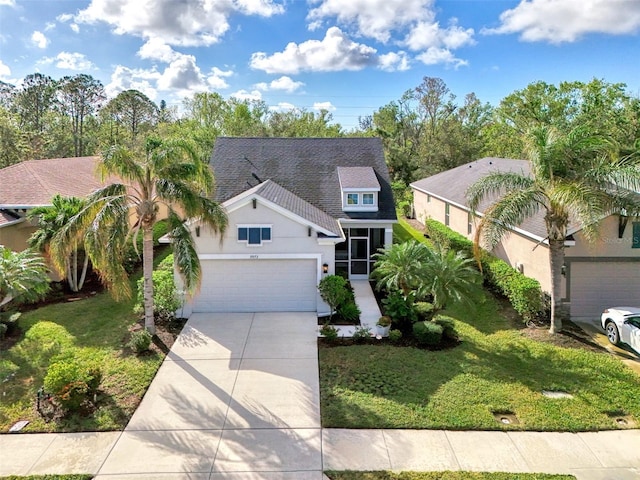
pixel 360 188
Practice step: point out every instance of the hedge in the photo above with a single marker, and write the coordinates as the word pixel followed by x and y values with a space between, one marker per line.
pixel 523 292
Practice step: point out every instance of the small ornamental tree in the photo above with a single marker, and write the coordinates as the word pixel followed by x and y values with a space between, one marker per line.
pixel 333 290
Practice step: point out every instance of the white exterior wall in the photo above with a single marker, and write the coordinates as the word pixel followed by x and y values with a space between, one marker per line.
pixel 289 240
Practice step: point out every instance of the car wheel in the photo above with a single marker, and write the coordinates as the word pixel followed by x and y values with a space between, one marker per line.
pixel 612 333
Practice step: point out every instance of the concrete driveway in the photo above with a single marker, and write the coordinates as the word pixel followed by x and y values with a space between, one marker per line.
pixel 237 397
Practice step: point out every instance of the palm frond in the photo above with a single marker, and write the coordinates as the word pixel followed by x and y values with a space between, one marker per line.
pixel 494 184
pixel 184 253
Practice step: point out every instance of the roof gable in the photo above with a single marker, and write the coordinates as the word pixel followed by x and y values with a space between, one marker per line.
pixel 281 197
pixel 306 167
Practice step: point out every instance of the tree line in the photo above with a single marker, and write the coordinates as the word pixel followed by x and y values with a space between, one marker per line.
pixel 427 130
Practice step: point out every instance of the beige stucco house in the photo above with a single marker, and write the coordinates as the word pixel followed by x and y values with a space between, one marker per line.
pixel 596 275
pixel 298 208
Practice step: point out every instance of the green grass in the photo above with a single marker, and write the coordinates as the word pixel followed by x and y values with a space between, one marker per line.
pixel 443 476
pixel 402 232
pixel 96 328
pixel 495 369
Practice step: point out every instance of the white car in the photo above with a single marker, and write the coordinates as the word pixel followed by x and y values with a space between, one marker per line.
pixel 622 325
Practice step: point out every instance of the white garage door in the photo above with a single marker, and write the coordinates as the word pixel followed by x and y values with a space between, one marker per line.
pixel 257 286
pixel 597 285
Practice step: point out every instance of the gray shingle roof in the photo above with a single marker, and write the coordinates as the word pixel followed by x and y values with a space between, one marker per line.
pixel 452 186
pixel 273 192
pixel 306 167
pixel 357 177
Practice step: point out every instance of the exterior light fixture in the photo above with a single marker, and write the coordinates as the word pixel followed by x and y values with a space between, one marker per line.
pixel 325 268
pixel 197 231
pixel 255 202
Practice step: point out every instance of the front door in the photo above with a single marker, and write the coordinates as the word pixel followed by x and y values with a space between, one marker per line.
pixel 359 258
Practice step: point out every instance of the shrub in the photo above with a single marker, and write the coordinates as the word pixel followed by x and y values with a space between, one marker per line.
pixel 395 335
pixel 329 332
pixel 166 263
pixel 43 341
pixel 524 293
pixel 361 333
pixel 10 321
pixel 71 383
pixel 423 310
pixel 165 295
pixel 333 290
pixel 448 327
pixel 406 208
pixel 349 311
pixel 140 341
pixel 399 309
pixel 427 333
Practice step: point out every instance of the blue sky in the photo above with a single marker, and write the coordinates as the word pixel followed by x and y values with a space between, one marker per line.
pixel 347 56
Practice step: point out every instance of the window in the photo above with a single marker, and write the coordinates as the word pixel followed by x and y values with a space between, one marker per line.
pixel 428 198
pixel 367 198
pixel 635 240
pixel 469 223
pixel 254 235
pixel 446 214
pixel 352 199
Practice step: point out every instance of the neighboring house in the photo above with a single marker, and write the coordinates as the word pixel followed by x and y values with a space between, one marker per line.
pixel 298 208
pixel 33 183
pixel 596 275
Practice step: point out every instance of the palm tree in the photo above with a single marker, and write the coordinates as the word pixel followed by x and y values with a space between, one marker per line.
pixel 23 276
pixel 164 173
pixel 50 220
pixel 574 177
pixel 450 276
pixel 400 266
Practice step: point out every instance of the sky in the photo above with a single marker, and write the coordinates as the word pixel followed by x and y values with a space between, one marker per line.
pixel 349 57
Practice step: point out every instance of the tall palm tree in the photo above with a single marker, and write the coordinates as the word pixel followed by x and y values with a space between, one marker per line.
pixel 162 173
pixel 50 220
pixel 23 276
pixel 575 177
pixel 450 276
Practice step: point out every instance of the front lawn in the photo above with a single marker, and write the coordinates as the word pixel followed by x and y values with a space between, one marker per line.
pixel 443 476
pixel 96 329
pixel 496 369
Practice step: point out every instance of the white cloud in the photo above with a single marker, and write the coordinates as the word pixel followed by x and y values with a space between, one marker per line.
pixel 333 53
pixel 5 71
pixel 282 107
pixel 69 61
pixel 183 75
pixel 283 83
pixel 373 18
pixel 435 56
pixel 246 95
pixel 67 17
pixel 328 106
pixel 39 39
pixel 558 21
pixel 125 78
pixel 185 23
pixel 216 79
pixel 8 3
pixel 49 26
pixel 394 61
pixel 156 49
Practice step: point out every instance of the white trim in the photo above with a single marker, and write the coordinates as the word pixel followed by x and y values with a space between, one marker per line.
pixel 359 206
pixel 8 206
pixel 361 189
pixel 267 256
pixel 13 222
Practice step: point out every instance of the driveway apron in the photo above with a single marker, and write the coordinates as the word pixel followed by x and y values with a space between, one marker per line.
pixel 236 397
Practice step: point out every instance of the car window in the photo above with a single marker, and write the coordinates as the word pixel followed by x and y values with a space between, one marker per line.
pixel 634 321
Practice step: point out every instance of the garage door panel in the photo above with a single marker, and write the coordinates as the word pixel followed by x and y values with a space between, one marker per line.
pixel 257 286
pixel 597 285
